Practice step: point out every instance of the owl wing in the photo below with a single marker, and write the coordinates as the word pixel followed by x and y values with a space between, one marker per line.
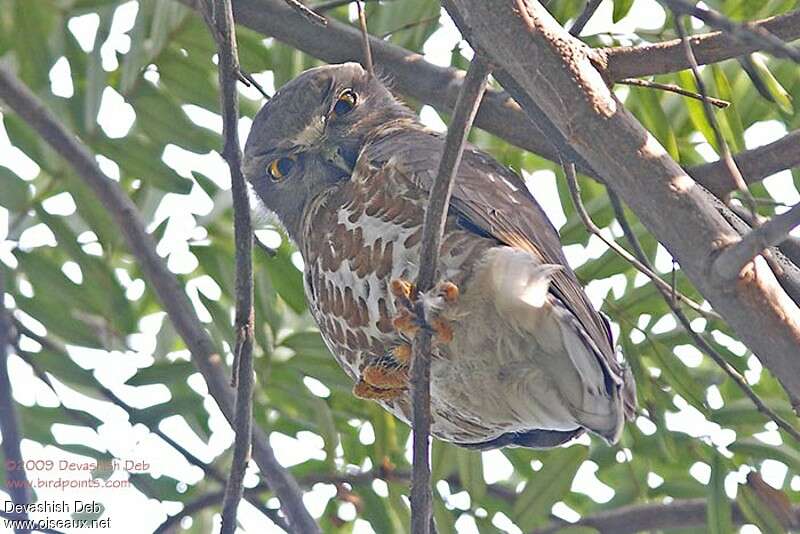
pixel 493 201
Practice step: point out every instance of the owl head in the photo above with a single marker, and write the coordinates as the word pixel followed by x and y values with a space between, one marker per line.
pixel 307 138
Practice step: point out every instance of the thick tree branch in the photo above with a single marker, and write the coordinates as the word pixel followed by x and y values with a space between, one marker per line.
pixel 731 261
pixel 755 164
pixel 433 228
pixel 16 476
pixel 166 285
pixel 221 23
pixel 680 513
pixel 666 57
pixel 544 61
pixel 499 114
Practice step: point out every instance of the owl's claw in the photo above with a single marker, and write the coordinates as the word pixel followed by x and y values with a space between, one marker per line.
pixel 364 390
pixel 385 377
pixel 408 320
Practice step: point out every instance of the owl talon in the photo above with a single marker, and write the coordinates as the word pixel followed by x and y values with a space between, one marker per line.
pixel 363 390
pixel 385 377
pixel 408 322
pixel 402 353
pixel 442 331
pixel 448 291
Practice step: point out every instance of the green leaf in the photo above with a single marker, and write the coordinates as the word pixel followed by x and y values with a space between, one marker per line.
pixel 14 191
pixel 697 114
pixel 654 118
pixel 548 486
pixel 287 280
pixel 757 512
pixel 60 365
pixel 470 472
pixel 759 450
pixel 23 137
pixel 719 506
pixel 778 93
pixel 621 8
pixel 729 120
pixel 162 373
pixel 140 158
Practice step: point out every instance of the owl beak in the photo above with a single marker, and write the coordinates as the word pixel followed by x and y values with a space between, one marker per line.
pixel 341 158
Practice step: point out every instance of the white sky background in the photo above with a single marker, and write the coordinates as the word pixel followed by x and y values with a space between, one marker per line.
pixel 128 507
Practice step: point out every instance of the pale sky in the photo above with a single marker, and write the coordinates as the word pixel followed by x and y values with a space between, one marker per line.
pixel 129 507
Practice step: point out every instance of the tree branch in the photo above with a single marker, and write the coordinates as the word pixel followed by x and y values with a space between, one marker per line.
pixel 642 266
pixel 583 18
pixel 207 501
pixel 433 228
pixel 166 285
pixel 221 20
pixel 749 34
pixel 731 261
pixel 672 88
pixel 499 114
pixel 699 340
pixel 680 513
pixel 666 57
pixel 534 51
pixel 16 477
pixel 311 15
pixel 755 164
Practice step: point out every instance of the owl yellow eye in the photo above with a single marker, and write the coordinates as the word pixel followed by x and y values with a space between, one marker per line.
pixel 345 103
pixel 280 168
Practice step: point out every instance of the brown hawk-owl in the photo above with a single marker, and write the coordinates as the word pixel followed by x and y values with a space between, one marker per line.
pixel 521 357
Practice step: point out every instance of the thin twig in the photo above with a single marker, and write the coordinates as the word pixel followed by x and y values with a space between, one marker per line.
pixel 699 340
pixel 333 4
pixel 408 26
pixel 207 501
pixel 575 191
pixel 746 33
pixel 433 228
pixel 362 23
pixel 733 259
pixel 16 476
pixel 722 144
pixel 308 13
pixel 583 18
pixel 222 19
pixel 170 292
pixel 247 79
pixel 672 88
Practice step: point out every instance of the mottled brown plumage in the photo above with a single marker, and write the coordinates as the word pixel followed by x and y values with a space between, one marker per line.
pixel 523 358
